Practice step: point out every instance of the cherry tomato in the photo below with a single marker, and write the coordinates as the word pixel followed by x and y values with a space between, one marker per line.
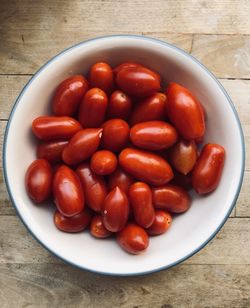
pixel 140 197
pixel 185 112
pixel 120 105
pixel 121 179
pixel 208 169
pixel 38 180
pixel 184 181
pixel 103 162
pixel 153 135
pixel 146 166
pixel 161 224
pixel 150 109
pixel 68 95
pixel 133 239
pixel 97 228
pixel 51 150
pixel 82 145
pixel 138 81
pixel 94 187
pixel 115 135
pixel 68 193
pixel 183 156
pixel 93 108
pixel 171 198
pixel 76 223
pixel 101 76
pixel 115 210
pixel 52 128
pixel 123 65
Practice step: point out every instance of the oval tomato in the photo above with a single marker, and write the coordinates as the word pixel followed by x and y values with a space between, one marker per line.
pixel 97 228
pixel 101 76
pixel 208 169
pixel 68 95
pixel 38 180
pixel 51 150
pixel 120 105
pixel 103 162
pixel 121 179
pixel 161 223
pixel 68 193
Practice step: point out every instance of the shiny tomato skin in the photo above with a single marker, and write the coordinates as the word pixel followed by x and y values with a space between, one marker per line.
pixel 185 112
pixel 208 169
pixel 115 135
pixel 101 76
pixel 68 95
pixel 138 81
pixel 54 128
pixel 68 192
pixel 94 187
pixel 125 65
pixel 51 150
pixel 161 223
pixel 120 105
pixel 146 166
pixel 153 108
pixel 38 180
pixel 103 162
pixel 153 135
pixel 133 239
pixel 93 108
pixel 183 156
pixel 82 145
pixel 140 197
pixel 97 228
pixel 73 224
pixel 115 210
pixel 121 179
pixel 171 198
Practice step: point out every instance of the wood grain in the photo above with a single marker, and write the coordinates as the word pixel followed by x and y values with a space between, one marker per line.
pixel 132 15
pixel 46 285
pixel 243 204
pixel 18 246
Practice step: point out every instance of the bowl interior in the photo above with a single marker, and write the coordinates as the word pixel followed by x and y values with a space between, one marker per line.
pixel 191 230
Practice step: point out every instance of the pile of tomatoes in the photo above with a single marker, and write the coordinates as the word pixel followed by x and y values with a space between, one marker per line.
pixel 118 155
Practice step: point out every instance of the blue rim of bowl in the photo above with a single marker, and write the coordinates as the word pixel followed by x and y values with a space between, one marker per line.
pixel 186 55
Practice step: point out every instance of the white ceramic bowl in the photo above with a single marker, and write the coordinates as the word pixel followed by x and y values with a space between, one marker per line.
pixel 190 231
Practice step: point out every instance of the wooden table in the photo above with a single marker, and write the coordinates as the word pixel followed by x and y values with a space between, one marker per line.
pixel 218 34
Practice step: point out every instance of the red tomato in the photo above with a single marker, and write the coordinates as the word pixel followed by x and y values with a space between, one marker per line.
pixel 146 166
pixel 121 179
pixel 120 105
pixel 115 210
pixel 68 193
pixel 208 169
pixel 101 76
pixel 182 180
pixel 51 150
pixel 82 145
pixel 76 223
pixel 185 112
pixel 138 81
pixel 150 109
pixel 123 65
pixel 140 197
pixel 153 135
pixel 171 198
pixel 183 156
pixel 68 95
pixel 161 224
pixel 93 108
pixel 103 162
pixel 38 180
pixel 94 187
pixel 133 239
pixel 52 128
pixel 115 135
pixel 97 228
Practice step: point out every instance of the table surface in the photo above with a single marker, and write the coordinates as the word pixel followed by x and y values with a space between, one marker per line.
pixel 215 32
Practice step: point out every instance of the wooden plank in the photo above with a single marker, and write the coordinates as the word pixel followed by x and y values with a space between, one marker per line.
pixel 19 49
pixel 224 16
pixel 230 246
pixel 227 56
pixel 243 204
pixel 6 207
pixel 46 285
